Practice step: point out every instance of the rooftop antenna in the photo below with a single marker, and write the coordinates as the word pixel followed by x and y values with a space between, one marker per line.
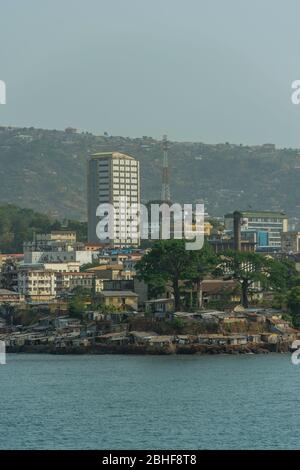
pixel 165 192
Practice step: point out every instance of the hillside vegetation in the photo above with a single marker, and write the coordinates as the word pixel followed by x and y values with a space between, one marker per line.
pixel 46 170
pixel 18 225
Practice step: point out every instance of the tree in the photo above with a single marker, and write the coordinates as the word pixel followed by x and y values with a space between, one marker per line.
pixel 293 302
pixel 247 268
pixel 110 308
pixel 204 262
pixel 168 261
pixel 9 275
pixel 18 225
pixel 76 307
pixel 283 276
pixel 9 311
pixel 82 293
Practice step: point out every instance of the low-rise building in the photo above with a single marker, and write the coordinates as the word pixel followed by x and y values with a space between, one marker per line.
pixel 16 257
pixel 159 307
pixel 80 256
pixel 141 337
pixel 109 272
pixel 57 239
pixel 120 299
pixel 114 338
pixel 290 242
pixel 11 297
pixel 218 289
pixel 71 280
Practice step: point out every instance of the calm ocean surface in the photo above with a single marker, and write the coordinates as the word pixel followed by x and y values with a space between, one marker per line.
pixel 149 402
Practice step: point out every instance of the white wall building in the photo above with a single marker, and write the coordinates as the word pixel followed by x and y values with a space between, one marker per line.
pixel 37 283
pixel 113 176
pixel 44 281
pixel 82 257
pixel 268 226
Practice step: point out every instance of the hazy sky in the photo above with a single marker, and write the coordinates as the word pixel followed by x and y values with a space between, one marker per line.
pixel 202 70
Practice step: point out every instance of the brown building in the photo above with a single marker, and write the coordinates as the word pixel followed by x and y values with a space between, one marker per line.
pixel 120 299
pixel 11 297
pixel 220 245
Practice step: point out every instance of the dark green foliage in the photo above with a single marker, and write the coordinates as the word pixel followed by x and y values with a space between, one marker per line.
pixel 77 307
pixel 249 268
pixel 293 301
pixel 18 225
pixel 170 262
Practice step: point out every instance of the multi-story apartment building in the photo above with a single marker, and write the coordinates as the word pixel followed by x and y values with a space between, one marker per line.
pixel 37 284
pixel 68 281
pixel 113 178
pixel 58 236
pixel 56 247
pixel 290 242
pixel 68 267
pixel 266 227
pixel 41 281
pixel 82 257
pixel 56 240
pixel 11 297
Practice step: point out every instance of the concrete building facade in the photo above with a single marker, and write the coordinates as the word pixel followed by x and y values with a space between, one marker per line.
pixel 290 242
pixel 82 257
pixel 266 226
pixel 37 284
pixel 111 177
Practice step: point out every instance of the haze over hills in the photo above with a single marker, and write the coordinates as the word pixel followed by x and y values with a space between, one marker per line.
pixel 46 170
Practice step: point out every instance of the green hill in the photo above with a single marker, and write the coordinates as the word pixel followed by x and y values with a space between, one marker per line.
pixel 46 170
pixel 18 225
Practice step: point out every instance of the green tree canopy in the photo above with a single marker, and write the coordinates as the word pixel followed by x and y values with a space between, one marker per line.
pixel 18 225
pixel 248 268
pixel 170 262
pixel 293 302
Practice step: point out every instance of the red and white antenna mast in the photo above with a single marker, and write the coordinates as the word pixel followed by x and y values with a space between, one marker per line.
pixel 165 192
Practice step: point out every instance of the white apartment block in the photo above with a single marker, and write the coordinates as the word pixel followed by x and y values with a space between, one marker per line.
pixel 42 282
pixel 57 236
pixel 35 257
pixel 37 284
pixel 113 178
pixel 67 282
pixel 69 267
pixel 51 241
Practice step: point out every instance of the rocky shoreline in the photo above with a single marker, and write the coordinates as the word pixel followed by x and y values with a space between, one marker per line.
pixel 261 348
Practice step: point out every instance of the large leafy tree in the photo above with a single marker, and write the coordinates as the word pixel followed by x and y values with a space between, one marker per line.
pixel 283 275
pixel 9 311
pixel 204 262
pixel 248 268
pixel 77 307
pixel 293 302
pixel 9 275
pixel 18 225
pixel 170 262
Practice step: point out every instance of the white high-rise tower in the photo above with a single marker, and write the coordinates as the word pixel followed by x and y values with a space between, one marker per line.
pixel 113 177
